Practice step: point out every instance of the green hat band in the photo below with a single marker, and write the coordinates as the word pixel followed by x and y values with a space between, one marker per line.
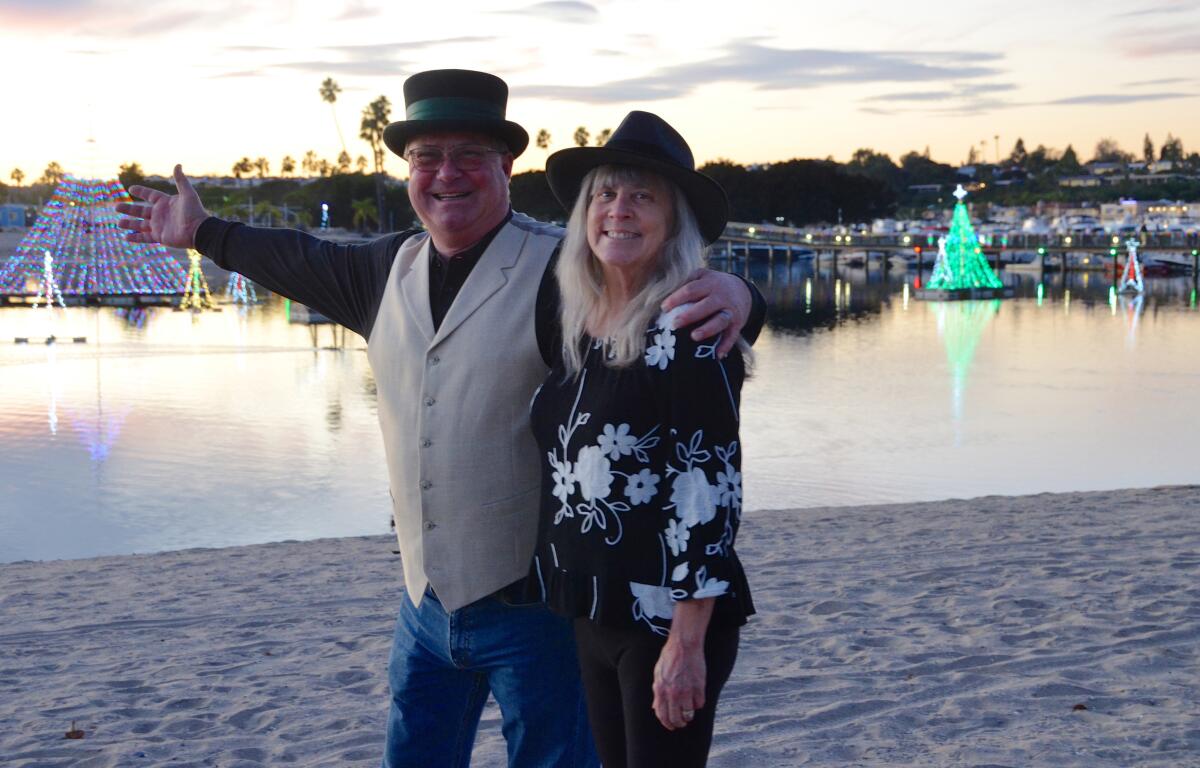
pixel 453 108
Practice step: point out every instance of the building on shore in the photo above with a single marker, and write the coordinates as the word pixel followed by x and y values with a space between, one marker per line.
pixel 12 215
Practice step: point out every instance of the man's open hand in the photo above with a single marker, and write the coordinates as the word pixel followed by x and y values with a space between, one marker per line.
pixel 161 218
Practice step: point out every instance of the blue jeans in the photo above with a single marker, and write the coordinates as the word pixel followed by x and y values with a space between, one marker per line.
pixel 444 664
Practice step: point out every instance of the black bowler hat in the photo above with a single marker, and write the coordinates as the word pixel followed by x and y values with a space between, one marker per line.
pixel 455 100
pixel 644 140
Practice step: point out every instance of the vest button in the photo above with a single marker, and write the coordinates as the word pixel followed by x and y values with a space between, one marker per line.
pixel 430 525
pixel 426 443
pixel 426 485
pixel 429 401
pixel 435 360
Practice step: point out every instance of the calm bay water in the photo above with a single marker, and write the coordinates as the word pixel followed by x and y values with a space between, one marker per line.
pixel 169 430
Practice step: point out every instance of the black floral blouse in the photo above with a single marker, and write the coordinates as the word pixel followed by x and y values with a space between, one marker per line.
pixel 641 485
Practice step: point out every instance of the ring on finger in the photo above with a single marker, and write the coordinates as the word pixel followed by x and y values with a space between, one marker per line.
pixel 725 313
pixel 688 714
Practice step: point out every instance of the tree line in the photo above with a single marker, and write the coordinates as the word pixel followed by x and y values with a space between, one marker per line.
pixel 796 192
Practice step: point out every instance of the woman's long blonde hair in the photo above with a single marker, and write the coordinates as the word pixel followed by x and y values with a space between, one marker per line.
pixel 581 281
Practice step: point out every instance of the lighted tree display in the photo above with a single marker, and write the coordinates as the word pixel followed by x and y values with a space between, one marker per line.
pixel 239 290
pixel 91 257
pixel 961 265
pixel 195 293
pixel 1131 278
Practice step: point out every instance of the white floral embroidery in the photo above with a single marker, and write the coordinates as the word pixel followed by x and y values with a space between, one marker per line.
pixel 651 602
pixel 592 472
pixel 677 537
pixel 706 587
pixel 662 351
pixel 711 588
pixel 564 479
pixel 729 487
pixel 680 573
pixel 616 442
pixel 642 487
pixel 692 496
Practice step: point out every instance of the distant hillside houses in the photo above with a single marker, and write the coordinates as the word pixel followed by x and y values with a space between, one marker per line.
pixel 1098 174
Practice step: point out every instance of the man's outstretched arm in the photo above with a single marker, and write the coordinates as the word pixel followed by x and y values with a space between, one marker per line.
pixel 342 282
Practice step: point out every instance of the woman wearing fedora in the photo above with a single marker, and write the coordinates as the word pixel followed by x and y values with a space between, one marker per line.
pixel 638 429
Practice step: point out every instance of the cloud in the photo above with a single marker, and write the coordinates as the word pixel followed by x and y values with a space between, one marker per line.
pixel 371 50
pixel 161 24
pixel 1160 81
pixel 243 73
pixel 769 69
pixel 356 9
pixel 48 15
pixel 958 99
pixel 367 60
pixel 1162 42
pixel 1117 98
pixel 1160 10
pixel 567 11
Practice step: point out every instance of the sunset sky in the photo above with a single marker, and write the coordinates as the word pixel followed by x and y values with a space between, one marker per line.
pixel 756 81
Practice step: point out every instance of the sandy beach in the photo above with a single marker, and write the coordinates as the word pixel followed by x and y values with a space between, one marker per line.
pixel 1048 630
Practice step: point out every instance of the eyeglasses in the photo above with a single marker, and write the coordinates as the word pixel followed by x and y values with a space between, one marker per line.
pixel 466 157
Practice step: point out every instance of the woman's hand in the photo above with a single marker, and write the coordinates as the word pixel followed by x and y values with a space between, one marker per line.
pixel 679 679
pixel 680 674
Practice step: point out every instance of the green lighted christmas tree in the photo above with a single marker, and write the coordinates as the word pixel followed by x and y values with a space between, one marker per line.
pixel 960 263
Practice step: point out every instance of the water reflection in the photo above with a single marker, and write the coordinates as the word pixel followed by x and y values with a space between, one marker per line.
pixel 170 429
pixel 805 297
pixel 960 325
pixel 96 431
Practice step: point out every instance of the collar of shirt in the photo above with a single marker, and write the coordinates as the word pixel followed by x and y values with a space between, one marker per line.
pixel 470 255
pixel 447 276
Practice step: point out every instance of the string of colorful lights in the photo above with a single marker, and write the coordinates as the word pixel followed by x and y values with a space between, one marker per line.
pixel 1131 279
pixel 240 290
pixel 78 227
pixel 195 293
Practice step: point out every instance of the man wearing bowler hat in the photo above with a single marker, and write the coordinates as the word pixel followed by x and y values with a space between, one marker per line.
pixel 448 317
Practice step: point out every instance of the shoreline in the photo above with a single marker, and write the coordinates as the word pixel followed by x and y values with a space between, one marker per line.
pixel 949 633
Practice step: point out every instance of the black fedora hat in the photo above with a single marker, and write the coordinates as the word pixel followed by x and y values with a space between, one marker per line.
pixel 644 140
pixel 455 100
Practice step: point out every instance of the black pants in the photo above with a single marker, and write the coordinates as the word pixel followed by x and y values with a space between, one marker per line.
pixel 617 666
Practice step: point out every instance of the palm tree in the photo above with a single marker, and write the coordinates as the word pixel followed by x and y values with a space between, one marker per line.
pixel 361 164
pixel 364 213
pixel 17 176
pixel 263 166
pixel 374 119
pixel 603 136
pixel 543 139
pixel 243 166
pixel 581 136
pixel 287 165
pixel 52 175
pixel 343 162
pixel 309 164
pixel 329 92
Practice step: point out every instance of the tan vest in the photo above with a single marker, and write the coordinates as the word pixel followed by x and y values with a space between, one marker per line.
pixel 454 410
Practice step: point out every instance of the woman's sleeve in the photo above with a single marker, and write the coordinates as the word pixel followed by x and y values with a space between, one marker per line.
pixel 701 396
